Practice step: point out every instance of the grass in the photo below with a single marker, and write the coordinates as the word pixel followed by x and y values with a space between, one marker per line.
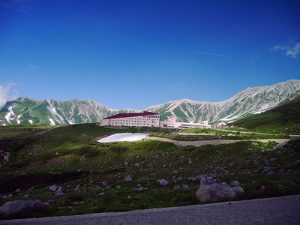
pixel 69 156
pixel 284 119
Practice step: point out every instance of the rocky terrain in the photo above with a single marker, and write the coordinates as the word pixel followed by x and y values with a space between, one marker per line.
pixel 73 174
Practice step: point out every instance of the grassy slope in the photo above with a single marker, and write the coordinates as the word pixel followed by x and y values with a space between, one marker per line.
pixel 284 118
pixel 70 155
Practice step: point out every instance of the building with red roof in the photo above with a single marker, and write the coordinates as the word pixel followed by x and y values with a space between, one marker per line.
pixel 142 119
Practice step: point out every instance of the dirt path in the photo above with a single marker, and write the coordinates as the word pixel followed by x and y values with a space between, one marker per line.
pixel 212 142
pixel 42 132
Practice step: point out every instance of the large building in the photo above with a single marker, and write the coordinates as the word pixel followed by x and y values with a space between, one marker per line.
pixel 143 119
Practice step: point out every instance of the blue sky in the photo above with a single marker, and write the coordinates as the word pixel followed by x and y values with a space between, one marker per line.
pixel 135 54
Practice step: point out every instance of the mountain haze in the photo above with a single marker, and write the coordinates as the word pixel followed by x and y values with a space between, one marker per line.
pixel 250 101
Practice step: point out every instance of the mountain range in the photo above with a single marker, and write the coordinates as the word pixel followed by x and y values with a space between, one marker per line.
pixel 251 101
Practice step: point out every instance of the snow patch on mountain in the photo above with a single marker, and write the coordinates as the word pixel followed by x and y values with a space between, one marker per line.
pixel 51 121
pixel 255 100
pixel 10 115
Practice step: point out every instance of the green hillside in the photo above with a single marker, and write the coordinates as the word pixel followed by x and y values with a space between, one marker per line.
pixel 34 158
pixel 284 118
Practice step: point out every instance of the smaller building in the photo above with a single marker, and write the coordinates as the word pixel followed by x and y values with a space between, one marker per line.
pixel 171 122
pixel 143 119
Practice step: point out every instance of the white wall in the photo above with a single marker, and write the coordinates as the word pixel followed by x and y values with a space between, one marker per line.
pixel 137 121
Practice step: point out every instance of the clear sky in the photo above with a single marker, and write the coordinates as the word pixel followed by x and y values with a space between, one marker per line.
pixel 135 54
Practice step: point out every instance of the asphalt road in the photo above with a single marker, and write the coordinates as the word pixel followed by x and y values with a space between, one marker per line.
pixel 279 211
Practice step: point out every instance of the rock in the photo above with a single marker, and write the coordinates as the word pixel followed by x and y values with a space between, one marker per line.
pixel 29 190
pixel 153 174
pixel 77 188
pixel 192 178
pixel 239 191
pixel 100 194
pixel 185 186
pixel 206 179
pixel 215 192
pixel 53 187
pixel 6 156
pixel 128 179
pixel 21 207
pixel 235 183
pixel 6 196
pixel 163 182
pixel 263 189
pixel 268 170
pixel 104 183
pixel 59 192
pixel 177 187
pixel 179 179
pixel 139 187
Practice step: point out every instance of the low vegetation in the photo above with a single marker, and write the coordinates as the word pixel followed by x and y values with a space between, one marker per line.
pixel 284 118
pixel 67 168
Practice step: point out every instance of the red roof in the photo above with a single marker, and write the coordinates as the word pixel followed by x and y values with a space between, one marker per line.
pixel 122 115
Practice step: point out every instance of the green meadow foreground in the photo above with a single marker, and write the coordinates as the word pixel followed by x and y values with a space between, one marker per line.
pixel 67 168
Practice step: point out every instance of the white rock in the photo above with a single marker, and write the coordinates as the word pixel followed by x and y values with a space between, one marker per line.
pixel 235 183
pixel 215 192
pixel 163 182
pixel 53 187
pixel 128 179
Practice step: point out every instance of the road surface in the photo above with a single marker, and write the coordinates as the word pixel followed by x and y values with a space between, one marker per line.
pixel 212 142
pixel 279 211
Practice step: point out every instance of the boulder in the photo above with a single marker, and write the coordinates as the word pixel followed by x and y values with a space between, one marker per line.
pixel 21 208
pixel 211 191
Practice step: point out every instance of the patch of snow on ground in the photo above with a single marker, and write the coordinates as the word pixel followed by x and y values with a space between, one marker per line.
pixel 129 137
pixel 51 121
pixel 30 121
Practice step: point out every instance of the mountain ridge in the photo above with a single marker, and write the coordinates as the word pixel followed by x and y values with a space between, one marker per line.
pixel 253 100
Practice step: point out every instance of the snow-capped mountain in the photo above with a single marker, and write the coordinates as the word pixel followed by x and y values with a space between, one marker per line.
pixel 250 101
pixel 29 111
